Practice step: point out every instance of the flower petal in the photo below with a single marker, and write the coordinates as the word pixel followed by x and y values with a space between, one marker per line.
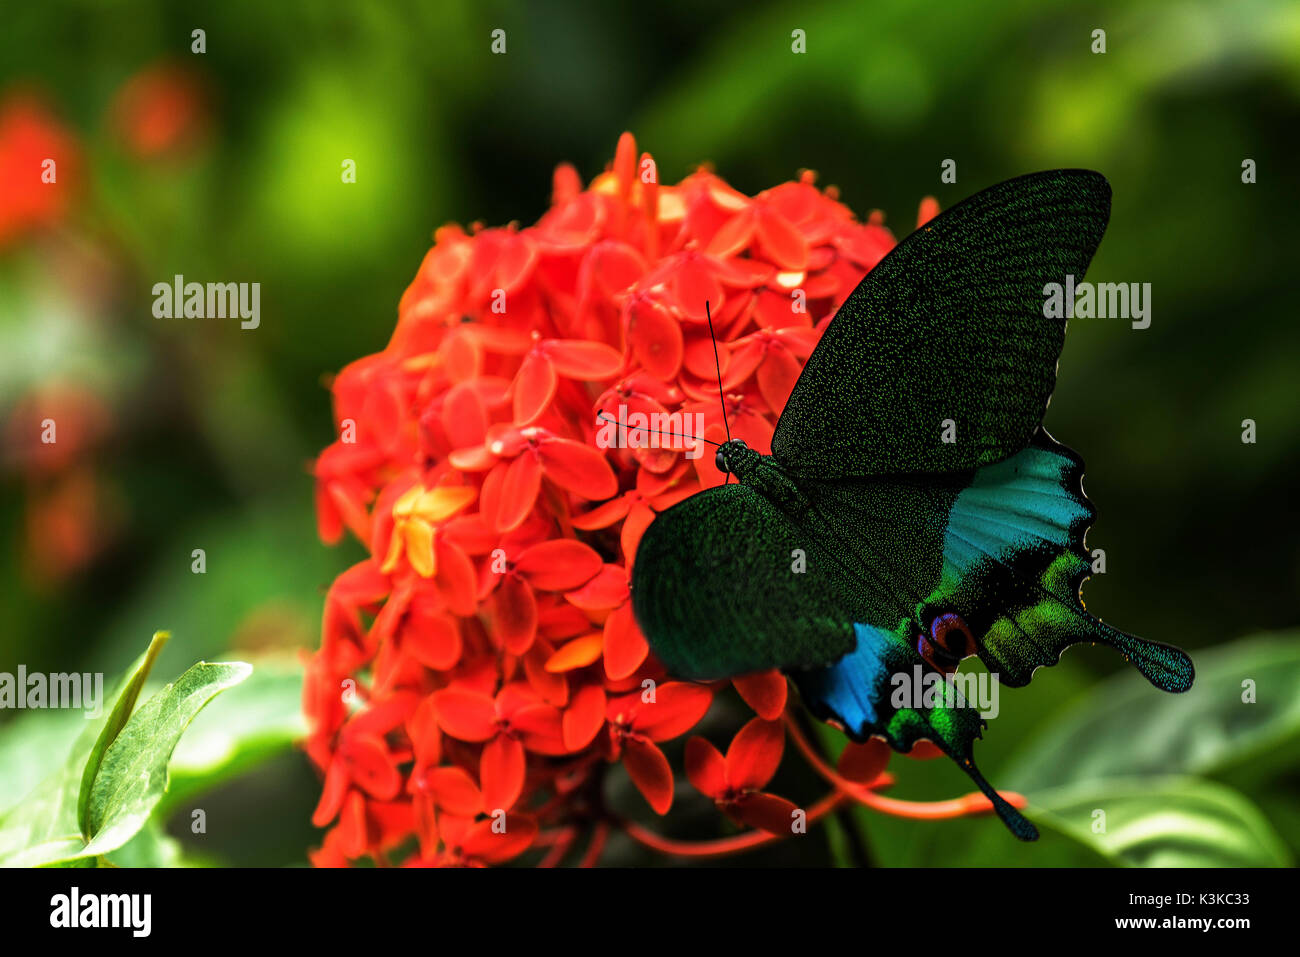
pixel 464 417
pixel 578 468
pixel 514 615
pixel 625 646
pixel 587 361
pixel 484 843
pixel 638 519
pixel 602 516
pixel 650 772
pixel 454 791
pixel 553 688
pixel 705 767
pixel 332 794
pixel 534 388
pixel 734 235
pixel 501 773
pixel 443 502
pixel 928 209
pixel 577 653
pixel 540 728
pixel 777 376
pixel 780 241
pixel 584 717
pixel 767 812
pixel 431 636
pixel 456 580
pixel 559 564
pixel 755 754
pixel 764 691
pixel 370 765
pixel 864 762
pixel 417 535
pixel 608 589
pixel 466 715
pixel 656 338
pixel 678 707
pixel 522 483
pixel 694 284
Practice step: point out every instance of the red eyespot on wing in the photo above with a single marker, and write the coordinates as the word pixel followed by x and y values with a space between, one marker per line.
pixel 950 633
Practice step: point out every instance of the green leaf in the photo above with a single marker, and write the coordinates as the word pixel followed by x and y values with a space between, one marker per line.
pixel 242 728
pixel 1123 727
pixel 116 722
pixel 1170 821
pixel 133 774
pixel 44 827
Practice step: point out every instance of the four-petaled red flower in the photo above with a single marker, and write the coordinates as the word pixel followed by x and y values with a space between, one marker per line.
pixel 736 782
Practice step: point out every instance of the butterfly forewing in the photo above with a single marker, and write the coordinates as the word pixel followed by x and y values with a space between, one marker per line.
pixel 942 358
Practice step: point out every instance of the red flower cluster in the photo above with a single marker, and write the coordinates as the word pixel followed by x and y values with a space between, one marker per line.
pixel 481 671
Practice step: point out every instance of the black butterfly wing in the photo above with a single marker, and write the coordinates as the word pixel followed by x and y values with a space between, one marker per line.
pixel 949 326
pixel 714 590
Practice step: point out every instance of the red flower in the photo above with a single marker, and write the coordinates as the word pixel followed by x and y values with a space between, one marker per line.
pixel 556 565
pixel 38 167
pixel 514 720
pixel 160 110
pixel 637 722
pixel 735 782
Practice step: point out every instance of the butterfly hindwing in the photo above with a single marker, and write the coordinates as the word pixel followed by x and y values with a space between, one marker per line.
pixel 947 338
pixel 1001 546
pixel 713 589
pixel 1013 564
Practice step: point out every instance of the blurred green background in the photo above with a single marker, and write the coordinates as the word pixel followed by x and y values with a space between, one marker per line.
pixel 226 165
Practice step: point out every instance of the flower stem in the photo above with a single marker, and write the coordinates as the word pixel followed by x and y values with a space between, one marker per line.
pixel 967 804
pixel 722 846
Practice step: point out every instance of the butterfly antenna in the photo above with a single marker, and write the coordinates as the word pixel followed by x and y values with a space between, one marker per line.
pixel 605 417
pixel 717 364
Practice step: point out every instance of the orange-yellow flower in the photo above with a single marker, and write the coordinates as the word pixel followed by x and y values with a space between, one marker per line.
pixel 415 517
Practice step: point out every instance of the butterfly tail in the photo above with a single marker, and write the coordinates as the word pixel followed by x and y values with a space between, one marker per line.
pixel 1016 822
pixel 1166 667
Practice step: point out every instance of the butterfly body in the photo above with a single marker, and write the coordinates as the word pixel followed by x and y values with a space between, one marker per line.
pixel 868 546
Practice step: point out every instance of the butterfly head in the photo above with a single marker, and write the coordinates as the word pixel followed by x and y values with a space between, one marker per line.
pixel 734 456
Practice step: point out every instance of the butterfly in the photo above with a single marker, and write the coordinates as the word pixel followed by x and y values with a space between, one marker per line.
pixel 914 511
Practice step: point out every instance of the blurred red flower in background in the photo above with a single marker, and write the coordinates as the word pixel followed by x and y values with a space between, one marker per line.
pixel 159 111
pixel 39 165
pixel 481 671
